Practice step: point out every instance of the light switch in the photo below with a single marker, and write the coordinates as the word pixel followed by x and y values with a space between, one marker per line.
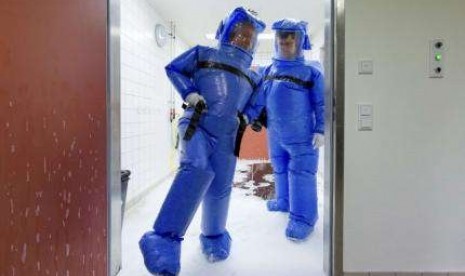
pixel 365 117
pixel 365 67
pixel 365 110
pixel 365 124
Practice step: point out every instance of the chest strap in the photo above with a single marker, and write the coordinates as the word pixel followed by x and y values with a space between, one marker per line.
pixel 306 84
pixel 225 67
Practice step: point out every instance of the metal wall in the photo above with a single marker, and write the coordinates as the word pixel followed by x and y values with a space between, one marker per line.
pixel 53 143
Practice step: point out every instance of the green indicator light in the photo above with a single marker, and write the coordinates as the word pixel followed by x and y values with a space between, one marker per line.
pixel 438 57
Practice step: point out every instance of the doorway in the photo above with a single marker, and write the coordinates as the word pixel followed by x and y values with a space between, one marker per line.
pixel 330 253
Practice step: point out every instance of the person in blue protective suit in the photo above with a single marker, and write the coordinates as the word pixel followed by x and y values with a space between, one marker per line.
pixel 292 97
pixel 219 81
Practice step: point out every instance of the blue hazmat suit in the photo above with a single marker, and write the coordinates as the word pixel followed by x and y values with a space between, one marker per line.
pixel 292 94
pixel 222 76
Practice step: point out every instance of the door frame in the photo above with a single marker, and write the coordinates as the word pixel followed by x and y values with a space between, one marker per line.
pixel 114 242
pixel 334 57
pixel 334 139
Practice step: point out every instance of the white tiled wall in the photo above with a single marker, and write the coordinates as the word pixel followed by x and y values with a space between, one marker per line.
pixel 146 132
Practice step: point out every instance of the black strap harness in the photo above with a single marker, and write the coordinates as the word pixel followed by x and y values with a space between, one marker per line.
pixel 225 67
pixel 306 84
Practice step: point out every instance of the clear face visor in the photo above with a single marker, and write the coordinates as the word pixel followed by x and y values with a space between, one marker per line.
pixel 242 35
pixel 288 45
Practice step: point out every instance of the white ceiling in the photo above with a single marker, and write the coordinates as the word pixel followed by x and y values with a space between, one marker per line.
pixel 194 19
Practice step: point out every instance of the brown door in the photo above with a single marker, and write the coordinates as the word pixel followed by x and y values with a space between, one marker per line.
pixel 53 195
pixel 254 145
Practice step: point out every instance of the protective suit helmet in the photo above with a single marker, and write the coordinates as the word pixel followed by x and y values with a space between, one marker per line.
pixel 240 29
pixel 291 39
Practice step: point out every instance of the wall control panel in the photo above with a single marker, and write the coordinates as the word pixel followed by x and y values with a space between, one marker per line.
pixel 436 58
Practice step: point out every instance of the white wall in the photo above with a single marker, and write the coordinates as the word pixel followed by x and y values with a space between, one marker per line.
pixel 404 183
pixel 146 132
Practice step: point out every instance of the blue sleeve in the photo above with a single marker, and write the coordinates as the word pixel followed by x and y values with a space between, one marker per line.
pixel 256 104
pixel 257 101
pixel 181 70
pixel 318 100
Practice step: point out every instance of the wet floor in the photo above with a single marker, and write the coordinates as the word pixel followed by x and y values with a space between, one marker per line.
pixel 257 178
